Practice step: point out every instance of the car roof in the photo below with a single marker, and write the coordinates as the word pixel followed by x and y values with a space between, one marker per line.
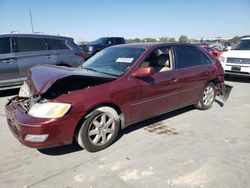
pixel 246 38
pixel 32 35
pixel 150 44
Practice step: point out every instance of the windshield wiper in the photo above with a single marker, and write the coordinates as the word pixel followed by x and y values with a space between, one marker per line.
pixel 91 69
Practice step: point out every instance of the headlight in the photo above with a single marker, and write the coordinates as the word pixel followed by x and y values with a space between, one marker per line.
pixel 90 48
pixel 221 59
pixel 25 91
pixel 49 110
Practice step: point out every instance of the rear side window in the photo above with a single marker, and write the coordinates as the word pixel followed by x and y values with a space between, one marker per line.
pixel 56 44
pixel 119 41
pixel 187 56
pixel 206 60
pixel 5 45
pixel 26 44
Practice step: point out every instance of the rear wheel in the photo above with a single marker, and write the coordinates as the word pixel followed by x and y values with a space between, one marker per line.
pixel 208 97
pixel 99 129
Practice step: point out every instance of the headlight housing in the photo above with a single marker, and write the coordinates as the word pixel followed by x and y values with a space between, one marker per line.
pixel 222 59
pixel 49 110
pixel 24 91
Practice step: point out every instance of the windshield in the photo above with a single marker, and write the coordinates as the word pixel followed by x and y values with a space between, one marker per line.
pixel 113 61
pixel 242 45
pixel 100 40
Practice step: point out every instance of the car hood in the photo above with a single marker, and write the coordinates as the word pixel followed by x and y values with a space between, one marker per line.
pixel 237 54
pixel 41 78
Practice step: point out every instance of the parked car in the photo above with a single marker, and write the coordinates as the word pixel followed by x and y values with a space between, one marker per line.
pixel 237 60
pixel 19 52
pixel 215 53
pixel 92 48
pixel 117 87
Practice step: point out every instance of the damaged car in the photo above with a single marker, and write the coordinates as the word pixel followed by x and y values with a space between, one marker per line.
pixel 119 86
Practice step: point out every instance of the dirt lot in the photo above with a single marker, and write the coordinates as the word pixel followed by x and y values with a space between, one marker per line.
pixel 184 148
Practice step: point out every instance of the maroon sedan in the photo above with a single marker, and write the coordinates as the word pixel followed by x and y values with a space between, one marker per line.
pixel 117 87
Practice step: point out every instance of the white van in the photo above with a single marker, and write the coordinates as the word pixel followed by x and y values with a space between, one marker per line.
pixel 237 60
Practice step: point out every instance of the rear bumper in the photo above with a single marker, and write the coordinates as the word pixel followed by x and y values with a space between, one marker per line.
pixel 60 131
pixel 224 91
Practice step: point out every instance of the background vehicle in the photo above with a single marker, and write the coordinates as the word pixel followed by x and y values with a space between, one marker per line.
pixel 237 60
pixel 117 87
pixel 212 51
pixel 92 48
pixel 19 52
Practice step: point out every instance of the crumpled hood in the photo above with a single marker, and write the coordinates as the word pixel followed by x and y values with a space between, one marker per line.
pixel 41 78
pixel 237 54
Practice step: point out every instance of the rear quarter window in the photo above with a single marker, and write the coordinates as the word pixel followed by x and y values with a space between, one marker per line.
pixel 56 44
pixel 26 44
pixel 5 45
pixel 187 56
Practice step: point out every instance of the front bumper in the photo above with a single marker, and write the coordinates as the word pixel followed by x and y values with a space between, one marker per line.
pixel 60 131
pixel 243 70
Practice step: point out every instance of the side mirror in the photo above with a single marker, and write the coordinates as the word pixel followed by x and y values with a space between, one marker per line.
pixel 143 72
pixel 228 48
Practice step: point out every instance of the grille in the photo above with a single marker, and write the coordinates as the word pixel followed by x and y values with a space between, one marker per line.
pixel 238 60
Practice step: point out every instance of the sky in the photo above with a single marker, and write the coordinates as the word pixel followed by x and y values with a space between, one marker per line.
pixel 87 20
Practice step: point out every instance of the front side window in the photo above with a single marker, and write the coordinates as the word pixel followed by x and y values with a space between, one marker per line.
pixel 113 61
pixel 187 56
pixel 56 44
pixel 242 45
pixel 160 59
pixel 5 45
pixel 100 40
pixel 26 44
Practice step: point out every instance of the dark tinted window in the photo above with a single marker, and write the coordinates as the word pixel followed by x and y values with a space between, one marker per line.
pixel 187 56
pixel 5 45
pixel 206 60
pixel 119 41
pixel 26 44
pixel 56 44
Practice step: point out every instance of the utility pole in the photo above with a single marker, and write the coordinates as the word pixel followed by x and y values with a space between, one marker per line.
pixel 31 22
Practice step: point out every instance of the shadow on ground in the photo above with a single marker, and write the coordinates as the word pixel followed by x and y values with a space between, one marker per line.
pixel 239 79
pixel 9 92
pixel 61 150
pixel 150 125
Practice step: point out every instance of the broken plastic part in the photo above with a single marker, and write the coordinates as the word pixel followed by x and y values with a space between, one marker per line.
pixel 225 92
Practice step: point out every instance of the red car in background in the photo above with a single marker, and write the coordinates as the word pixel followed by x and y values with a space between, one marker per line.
pixel 215 53
pixel 119 86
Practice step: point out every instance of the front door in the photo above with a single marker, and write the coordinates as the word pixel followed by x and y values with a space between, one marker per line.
pixel 157 94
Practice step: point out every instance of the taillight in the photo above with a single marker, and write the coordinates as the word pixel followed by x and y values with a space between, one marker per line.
pixel 81 54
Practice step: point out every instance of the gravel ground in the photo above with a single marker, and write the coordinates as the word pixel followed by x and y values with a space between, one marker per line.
pixel 184 148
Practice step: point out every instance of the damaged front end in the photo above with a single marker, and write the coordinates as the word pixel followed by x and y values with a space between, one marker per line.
pixel 41 105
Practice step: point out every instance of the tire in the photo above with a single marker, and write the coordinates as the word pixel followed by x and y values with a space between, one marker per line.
pixel 207 98
pixel 99 130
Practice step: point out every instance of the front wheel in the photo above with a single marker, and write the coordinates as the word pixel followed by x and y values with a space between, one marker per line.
pixel 208 97
pixel 99 129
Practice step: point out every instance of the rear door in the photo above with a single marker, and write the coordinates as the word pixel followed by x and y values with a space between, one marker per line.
pixel 30 51
pixel 192 73
pixel 9 74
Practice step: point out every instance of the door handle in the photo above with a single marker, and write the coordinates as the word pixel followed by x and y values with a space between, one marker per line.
pixel 8 61
pixel 50 56
pixel 205 73
pixel 174 79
